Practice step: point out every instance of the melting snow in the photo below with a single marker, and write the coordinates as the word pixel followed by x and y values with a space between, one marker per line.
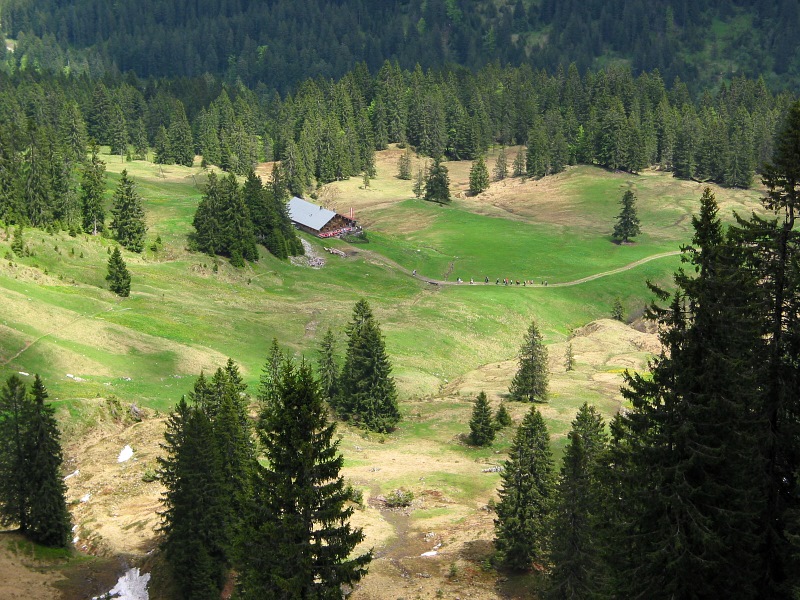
pixel 73 474
pixel 125 454
pixel 431 553
pixel 86 498
pixel 131 586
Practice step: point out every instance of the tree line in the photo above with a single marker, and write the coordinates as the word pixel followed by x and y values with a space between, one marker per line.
pixel 329 130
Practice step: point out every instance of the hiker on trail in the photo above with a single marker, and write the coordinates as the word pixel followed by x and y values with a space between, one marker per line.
pixel 497 281
pixel 471 281
pixel 414 273
pixel 459 280
pixel 486 279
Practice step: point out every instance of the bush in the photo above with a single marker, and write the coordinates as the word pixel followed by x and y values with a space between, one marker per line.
pixel 399 498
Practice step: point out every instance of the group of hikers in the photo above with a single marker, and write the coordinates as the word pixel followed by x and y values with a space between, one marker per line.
pixel 504 281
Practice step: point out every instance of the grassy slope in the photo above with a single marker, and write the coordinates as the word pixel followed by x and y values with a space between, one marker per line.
pixel 446 342
pixel 182 316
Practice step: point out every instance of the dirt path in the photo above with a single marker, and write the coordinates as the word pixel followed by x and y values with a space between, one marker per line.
pixel 432 281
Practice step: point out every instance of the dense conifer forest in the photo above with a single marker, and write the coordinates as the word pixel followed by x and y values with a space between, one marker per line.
pixel 280 43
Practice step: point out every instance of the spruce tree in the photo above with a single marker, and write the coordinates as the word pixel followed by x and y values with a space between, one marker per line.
pixel 617 311
pixel 270 374
pixel 299 542
pixel 576 550
pixel 688 448
pixel 195 543
pixel 328 369
pixel 569 358
pixel 501 165
pixel 530 381
pixel 437 184
pixel 501 418
pixel 367 391
pixel 14 418
pixel 526 498
pixel 419 184
pixel 478 177
pixel 481 425
pixel 93 186
pixel 118 277
pixel 520 169
pixel 180 137
pixel 128 223
pixel 404 165
pixel 627 225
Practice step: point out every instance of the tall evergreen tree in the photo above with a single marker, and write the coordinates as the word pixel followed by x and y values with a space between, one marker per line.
pixel 299 542
pixel 478 177
pixel 48 518
pixel 576 551
pixel 501 165
pixel 128 222
pixel 481 424
pixel 690 445
pixel 270 374
pixel 519 163
pixel 93 186
pixel 328 369
pixel 193 521
pixel 404 165
pixel 14 413
pixel 118 277
pixel 530 381
pixel 627 225
pixel 526 497
pixel 180 137
pixel 367 391
pixel 437 183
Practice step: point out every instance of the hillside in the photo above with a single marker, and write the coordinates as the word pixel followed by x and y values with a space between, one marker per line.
pixel 278 44
pixel 99 354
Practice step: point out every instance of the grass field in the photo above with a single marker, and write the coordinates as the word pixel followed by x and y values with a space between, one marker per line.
pixel 188 312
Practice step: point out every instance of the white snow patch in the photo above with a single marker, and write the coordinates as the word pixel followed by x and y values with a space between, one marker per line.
pixel 431 553
pixel 73 474
pixel 23 373
pixel 125 454
pixel 75 540
pixel 86 498
pixel 131 586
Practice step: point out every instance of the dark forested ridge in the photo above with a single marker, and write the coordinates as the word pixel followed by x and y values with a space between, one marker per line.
pixel 279 43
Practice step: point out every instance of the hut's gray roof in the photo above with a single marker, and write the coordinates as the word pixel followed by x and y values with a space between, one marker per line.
pixel 308 214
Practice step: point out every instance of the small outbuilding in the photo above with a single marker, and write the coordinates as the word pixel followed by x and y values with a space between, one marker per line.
pixel 319 221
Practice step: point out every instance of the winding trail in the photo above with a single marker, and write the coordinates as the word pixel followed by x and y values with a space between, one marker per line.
pixel 633 265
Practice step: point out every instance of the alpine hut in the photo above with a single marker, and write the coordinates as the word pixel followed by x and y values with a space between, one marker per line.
pixel 319 221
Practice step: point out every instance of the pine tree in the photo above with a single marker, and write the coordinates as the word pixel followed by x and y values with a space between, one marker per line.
pixel 520 169
pixel 627 225
pixel 437 184
pixel 478 177
pixel 128 222
pixel 180 137
pixel 93 185
pixel 328 369
pixel 367 391
pixel 118 277
pixel 48 517
pixel 569 358
pixel 14 413
pixel 576 551
pixel 193 521
pixel 530 381
pixel 501 418
pixel 404 165
pixel 481 425
pixel 299 542
pixel 526 498
pixel 687 449
pixel 501 166
pixel 270 374
pixel 162 151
